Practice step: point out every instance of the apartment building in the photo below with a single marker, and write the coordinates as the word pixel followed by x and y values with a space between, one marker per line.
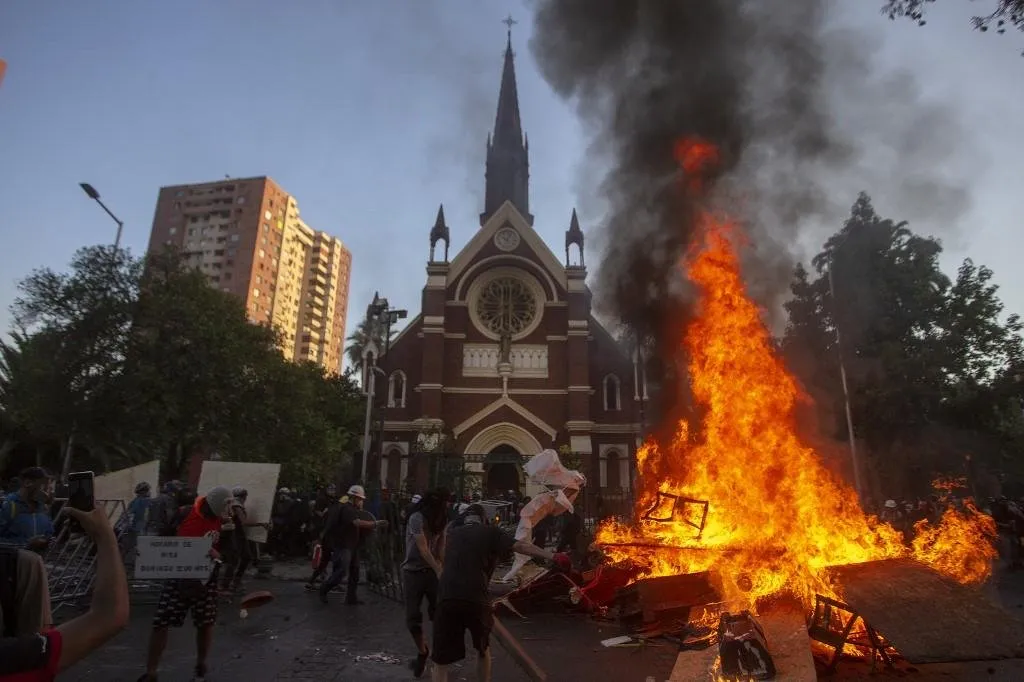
pixel 247 236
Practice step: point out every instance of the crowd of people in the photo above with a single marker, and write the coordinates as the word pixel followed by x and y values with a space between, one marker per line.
pixel 449 547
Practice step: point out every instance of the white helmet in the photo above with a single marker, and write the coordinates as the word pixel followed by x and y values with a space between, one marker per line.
pixel 357 491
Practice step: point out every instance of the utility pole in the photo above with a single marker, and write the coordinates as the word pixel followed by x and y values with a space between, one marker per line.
pixel 846 390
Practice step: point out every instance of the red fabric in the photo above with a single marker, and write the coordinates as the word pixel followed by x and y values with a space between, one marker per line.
pixel 48 671
pixel 196 525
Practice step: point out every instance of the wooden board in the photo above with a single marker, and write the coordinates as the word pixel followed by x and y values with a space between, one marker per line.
pixel 785 628
pixel 120 485
pixel 259 478
pixel 928 618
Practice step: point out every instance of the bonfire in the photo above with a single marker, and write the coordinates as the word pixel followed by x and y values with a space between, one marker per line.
pixel 776 518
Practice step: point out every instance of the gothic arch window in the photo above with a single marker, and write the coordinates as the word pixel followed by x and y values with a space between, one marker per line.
pixel 613 477
pixel 612 397
pixel 396 389
pixel 393 475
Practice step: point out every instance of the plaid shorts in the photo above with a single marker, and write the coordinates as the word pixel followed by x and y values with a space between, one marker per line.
pixel 175 603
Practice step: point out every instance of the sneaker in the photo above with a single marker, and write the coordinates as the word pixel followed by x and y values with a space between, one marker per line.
pixel 200 674
pixel 310 587
pixel 419 664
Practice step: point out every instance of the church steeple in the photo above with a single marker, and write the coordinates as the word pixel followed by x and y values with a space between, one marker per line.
pixel 508 152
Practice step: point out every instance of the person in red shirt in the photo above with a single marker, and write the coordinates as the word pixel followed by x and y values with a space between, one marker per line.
pixel 181 596
pixel 39 656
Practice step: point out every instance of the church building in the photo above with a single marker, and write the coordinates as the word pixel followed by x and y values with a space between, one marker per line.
pixel 505 357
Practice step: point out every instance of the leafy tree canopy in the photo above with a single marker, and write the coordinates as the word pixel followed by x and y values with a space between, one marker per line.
pixel 920 351
pixel 118 361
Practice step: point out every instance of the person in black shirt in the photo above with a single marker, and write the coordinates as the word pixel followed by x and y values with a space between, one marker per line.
pixel 342 535
pixel 472 550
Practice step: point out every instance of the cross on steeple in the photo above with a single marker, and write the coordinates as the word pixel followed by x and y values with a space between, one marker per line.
pixel 510 22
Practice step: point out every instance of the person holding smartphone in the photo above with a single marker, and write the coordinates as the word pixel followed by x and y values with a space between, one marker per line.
pixel 39 656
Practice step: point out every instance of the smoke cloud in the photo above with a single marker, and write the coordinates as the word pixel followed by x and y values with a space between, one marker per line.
pixel 802 116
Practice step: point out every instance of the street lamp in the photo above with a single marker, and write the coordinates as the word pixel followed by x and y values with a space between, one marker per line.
pixel 95 196
pixel 377 312
pixel 842 375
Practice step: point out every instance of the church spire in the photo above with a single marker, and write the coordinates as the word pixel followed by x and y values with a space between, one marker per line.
pixel 508 162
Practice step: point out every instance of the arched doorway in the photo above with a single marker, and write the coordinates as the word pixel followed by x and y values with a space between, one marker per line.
pixel 501 471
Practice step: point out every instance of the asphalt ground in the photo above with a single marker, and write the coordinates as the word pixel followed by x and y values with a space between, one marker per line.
pixel 295 637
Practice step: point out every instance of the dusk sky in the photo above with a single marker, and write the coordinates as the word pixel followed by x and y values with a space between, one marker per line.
pixel 373 113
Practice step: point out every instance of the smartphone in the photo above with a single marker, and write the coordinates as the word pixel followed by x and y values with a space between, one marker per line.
pixel 80 491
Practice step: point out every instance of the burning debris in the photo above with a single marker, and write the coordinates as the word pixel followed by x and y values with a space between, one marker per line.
pixel 776 518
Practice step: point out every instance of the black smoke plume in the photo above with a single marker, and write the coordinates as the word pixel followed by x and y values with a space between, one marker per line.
pixel 802 117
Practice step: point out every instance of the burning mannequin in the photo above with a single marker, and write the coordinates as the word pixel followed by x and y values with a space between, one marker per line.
pixel 563 487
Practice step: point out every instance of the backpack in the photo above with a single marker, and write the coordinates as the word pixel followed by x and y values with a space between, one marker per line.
pixel 9 590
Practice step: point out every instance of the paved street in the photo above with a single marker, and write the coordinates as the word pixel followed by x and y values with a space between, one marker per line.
pixel 297 638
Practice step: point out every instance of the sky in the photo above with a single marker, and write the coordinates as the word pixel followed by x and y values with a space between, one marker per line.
pixel 373 113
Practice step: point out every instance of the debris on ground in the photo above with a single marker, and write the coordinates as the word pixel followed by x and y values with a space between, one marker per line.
pixel 379 657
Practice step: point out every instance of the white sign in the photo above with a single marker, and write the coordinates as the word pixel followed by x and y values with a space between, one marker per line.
pixel 169 558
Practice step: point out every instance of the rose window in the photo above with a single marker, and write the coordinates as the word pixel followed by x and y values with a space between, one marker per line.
pixel 506 305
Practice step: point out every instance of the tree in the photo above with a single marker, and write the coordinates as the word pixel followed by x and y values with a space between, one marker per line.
pixel 79 322
pixel 934 368
pixel 367 331
pixel 1007 13
pixel 140 360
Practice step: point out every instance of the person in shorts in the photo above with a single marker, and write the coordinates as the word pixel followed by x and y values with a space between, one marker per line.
pixel 180 597
pixel 472 551
pixel 424 549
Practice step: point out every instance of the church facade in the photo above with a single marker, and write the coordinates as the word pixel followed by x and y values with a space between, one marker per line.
pixel 505 357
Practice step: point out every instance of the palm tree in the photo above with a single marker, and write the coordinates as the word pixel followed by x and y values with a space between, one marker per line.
pixel 368 330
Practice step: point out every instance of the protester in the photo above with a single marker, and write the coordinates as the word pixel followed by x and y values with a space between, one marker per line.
pixel 181 596
pixel 424 552
pixel 25 515
pixel 472 550
pixel 31 651
pixel 238 553
pixel 330 505
pixel 343 536
pixel 163 509
pixel 137 519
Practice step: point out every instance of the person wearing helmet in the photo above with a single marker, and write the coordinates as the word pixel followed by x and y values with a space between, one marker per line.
pixel 342 535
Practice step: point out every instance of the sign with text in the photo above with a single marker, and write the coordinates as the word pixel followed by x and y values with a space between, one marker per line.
pixel 168 558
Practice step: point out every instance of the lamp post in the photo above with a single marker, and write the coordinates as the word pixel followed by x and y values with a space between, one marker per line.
pixel 842 375
pixel 378 312
pixel 95 196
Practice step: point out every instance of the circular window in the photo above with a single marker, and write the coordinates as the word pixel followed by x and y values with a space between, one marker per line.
pixel 506 304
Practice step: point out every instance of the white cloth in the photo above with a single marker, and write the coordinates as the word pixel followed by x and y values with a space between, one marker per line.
pixel 546 469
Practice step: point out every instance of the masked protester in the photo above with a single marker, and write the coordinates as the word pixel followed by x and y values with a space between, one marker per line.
pixel 181 596
pixel 473 548
pixel 25 514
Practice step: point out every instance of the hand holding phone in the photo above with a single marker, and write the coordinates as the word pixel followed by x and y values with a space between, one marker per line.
pixel 80 495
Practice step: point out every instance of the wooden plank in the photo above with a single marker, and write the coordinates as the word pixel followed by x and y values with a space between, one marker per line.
pixel 518 654
pixel 926 617
pixel 785 628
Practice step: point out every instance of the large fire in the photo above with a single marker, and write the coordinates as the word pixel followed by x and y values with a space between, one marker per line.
pixel 777 518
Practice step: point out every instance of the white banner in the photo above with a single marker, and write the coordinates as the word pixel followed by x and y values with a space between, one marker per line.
pixel 260 479
pixel 164 558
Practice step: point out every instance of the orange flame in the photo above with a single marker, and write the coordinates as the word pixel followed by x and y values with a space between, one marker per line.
pixel 777 518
